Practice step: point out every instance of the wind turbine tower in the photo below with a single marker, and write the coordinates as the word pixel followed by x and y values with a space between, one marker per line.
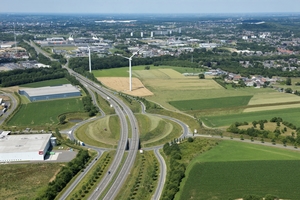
pixel 16 49
pixel 130 74
pixel 90 63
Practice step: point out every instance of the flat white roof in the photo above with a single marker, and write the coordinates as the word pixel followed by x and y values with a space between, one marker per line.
pixel 50 90
pixel 23 143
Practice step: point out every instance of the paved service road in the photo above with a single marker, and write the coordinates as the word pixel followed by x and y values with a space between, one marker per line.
pixel 162 176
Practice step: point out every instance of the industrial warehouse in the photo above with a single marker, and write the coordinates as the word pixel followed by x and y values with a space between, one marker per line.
pixel 50 92
pixel 31 147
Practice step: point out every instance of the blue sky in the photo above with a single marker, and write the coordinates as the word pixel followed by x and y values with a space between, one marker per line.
pixel 149 6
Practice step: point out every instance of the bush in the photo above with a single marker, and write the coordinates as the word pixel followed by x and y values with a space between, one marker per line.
pixel 190 139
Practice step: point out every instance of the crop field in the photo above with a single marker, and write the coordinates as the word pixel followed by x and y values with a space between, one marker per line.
pixel 233 169
pixel 117 72
pixel 199 97
pixel 291 115
pixel 53 82
pixel 192 88
pixel 273 97
pixel 164 73
pixel 121 84
pixel 45 113
pixel 225 102
pixel 24 181
pixel 276 107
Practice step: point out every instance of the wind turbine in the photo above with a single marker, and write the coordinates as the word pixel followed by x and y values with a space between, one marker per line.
pixel 130 58
pixel 16 49
pixel 90 64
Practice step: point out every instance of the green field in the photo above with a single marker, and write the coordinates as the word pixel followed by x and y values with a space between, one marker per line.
pixel 123 71
pixel 117 72
pixel 53 82
pixel 225 102
pixel 291 115
pixel 45 113
pixel 234 169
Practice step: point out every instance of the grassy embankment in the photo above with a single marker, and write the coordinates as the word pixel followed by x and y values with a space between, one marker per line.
pixel 104 132
pixel 233 169
pixel 156 131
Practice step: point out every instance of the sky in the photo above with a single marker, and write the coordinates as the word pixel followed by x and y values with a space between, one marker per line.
pixel 149 6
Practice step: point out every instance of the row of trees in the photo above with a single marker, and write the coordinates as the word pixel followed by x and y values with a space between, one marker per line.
pixel 176 172
pixel 261 132
pixel 20 76
pixel 65 175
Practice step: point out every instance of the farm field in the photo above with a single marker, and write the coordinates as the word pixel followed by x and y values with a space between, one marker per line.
pixel 45 113
pixel 117 72
pixel 273 97
pixel 291 115
pixel 53 82
pixel 225 102
pixel 199 97
pixel 16 176
pixel 233 169
pixel 121 84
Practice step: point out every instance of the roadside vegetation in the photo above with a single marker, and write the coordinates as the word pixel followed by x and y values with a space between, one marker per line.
pixel 64 176
pixel 141 183
pixel 105 105
pixel 88 184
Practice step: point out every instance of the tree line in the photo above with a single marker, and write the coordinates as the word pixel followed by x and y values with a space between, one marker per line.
pixel 176 172
pixel 258 130
pixel 65 175
pixel 23 76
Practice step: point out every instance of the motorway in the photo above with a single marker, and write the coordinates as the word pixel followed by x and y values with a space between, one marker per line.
pixel 122 110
